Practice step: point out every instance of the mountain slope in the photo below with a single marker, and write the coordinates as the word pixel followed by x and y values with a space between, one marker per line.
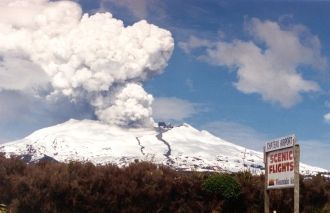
pixel 182 147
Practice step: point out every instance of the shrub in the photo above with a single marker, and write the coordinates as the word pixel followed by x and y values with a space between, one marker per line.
pixel 144 187
pixel 223 185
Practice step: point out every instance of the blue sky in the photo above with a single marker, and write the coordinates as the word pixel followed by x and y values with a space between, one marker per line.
pixel 247 71
pixel 217 105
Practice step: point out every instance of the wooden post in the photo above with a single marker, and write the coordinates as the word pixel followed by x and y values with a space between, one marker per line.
pixel 296 177
pixel 266 192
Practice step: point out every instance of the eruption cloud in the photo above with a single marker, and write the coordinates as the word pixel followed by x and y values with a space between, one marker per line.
pixel 84 57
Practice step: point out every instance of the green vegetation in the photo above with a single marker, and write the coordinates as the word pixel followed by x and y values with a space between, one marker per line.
pixel 222 184
pixel 143 187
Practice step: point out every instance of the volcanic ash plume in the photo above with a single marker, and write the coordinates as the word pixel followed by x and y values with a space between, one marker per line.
pixel 95 57
pixel 129 105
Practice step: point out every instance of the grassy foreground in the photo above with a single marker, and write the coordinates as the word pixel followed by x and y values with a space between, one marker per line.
pixel 141 187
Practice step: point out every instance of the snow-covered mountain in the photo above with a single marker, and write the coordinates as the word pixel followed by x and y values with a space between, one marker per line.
pixel 182 147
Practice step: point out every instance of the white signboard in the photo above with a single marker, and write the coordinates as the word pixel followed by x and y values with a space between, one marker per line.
pixel 280 143
pixel 281 159
pixel 280 162
pixel 280 165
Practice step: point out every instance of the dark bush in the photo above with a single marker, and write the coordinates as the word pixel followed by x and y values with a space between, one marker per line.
pixel 143 187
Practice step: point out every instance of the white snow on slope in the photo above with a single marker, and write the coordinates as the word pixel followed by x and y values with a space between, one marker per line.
pixel 182 147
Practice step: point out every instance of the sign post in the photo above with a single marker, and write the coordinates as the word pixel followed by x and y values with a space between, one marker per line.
pixel 281 157
pixel 266 194
pixel 296 178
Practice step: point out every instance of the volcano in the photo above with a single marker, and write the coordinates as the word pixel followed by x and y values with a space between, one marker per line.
pixel 181 147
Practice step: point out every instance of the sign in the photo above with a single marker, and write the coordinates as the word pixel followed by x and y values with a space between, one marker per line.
pixel 280 143
pixel 281 157
pixel 280 165
pixel 280 162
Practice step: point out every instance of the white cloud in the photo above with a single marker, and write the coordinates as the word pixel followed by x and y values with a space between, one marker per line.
pixel 237 133
pixel 326 117
pixel 131 105
pixel 273 71
pixel 82 56
pixel 167 109
pixel 193 43
pixel 140 9
pixel 13 75
pixel 327 104
pixel 190 84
